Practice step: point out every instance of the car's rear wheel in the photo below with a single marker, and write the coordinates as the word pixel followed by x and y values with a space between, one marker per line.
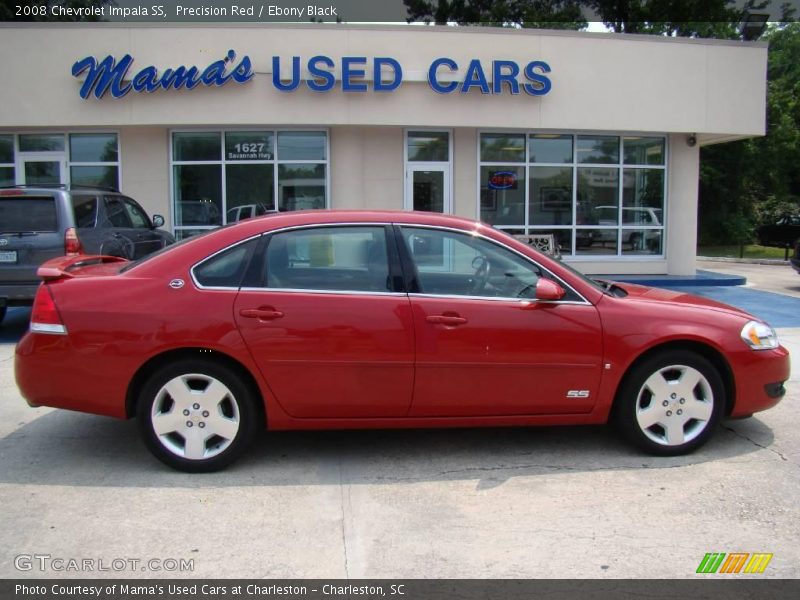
pixel 196 415
pixel 671 403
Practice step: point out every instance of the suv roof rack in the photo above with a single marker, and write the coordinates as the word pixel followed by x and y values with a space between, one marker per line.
pixel 61 186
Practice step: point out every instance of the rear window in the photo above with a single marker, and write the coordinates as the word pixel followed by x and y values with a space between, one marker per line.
pixel 27 213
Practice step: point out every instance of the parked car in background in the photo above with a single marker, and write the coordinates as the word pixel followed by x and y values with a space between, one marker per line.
pixel 246 211
pixel 783 233
pixel 643 216
pixel 357 319
pixel 39 223
pixel 198 212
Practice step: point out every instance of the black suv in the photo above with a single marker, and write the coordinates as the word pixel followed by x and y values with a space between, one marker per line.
pixel 39 223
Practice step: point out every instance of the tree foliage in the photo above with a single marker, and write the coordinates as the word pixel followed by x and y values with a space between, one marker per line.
pixel 751 182
pixel 555 14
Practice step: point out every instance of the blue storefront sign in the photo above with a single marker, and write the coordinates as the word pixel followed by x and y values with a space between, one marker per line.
pixel 444 75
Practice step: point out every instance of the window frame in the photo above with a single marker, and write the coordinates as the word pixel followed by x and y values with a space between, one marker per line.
pixel 223 162
pixel 527 228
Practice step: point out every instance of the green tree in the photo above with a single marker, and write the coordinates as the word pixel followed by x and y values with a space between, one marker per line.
pixel 8 9
pixel 555 14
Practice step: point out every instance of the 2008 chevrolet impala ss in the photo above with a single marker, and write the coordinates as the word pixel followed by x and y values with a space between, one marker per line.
pixel 332 319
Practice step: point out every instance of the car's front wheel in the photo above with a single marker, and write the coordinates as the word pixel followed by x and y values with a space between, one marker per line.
pixel 670 403
pixel 196 415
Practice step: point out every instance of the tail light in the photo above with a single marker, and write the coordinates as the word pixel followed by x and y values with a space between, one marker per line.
pixel 72 245
pixel 44 315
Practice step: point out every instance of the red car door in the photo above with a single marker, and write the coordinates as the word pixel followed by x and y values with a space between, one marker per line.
pixel 330 336
pixel 482 347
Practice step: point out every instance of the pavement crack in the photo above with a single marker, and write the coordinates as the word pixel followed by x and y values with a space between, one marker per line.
pixel 344 519
pixel 755 443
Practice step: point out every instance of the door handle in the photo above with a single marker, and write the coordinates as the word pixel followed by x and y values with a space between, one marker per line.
pixel 446 320
pixel 263 314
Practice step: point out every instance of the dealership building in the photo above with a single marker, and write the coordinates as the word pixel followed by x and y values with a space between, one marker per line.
pixel 591 138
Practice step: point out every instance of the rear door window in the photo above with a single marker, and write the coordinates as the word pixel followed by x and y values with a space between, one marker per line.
pixel 28 213
pixel 85 210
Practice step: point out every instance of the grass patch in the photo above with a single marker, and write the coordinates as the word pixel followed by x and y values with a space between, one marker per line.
pixel 750 251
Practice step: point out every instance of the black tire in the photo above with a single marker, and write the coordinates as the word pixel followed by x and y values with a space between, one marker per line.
pixel 212 420
pixel 675 419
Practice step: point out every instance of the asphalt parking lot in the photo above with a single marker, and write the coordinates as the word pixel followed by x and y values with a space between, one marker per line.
pixel 547 502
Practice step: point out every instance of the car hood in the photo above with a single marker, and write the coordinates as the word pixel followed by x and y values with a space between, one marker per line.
pixel 641 293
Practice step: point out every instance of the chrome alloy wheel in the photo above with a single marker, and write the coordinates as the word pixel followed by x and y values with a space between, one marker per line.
pixel 195 416
pixel 674 405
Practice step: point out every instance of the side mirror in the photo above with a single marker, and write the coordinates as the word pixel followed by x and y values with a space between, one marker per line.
pixel 158 221
pixel 548 290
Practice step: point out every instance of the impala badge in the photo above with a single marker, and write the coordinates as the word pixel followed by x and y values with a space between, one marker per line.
pixel 3 242
pixel 176 284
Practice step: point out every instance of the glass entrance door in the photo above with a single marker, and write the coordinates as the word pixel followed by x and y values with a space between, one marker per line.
pixel 428 188
pixel 41 170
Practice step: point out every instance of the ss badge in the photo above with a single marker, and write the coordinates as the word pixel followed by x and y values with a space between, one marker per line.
pixel 578 394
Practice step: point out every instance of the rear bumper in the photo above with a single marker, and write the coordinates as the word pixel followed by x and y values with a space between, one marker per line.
pixel 50 371
pixel 759 380
pixel 19 294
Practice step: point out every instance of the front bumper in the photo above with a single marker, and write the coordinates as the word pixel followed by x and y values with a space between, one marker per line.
pixel 759 378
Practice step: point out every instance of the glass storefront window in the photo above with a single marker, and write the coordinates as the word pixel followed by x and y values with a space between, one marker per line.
pixel 6 149
pixel 598 196
pixel 93 148
pixel 596 242
pixel 643 150
pixel 641 241
pixel 550 200
pixel 263 170
pixel 198 195
pixel 6 176
pixel 500 147
pixel 95 176
pixel 302 145
pixel 41 142
pixel 598 149
pixel 594 193
pixel 503 194
pixel 301 186
pixel 550 148
pixel 195 146
pixel 249 185
pixel 642 196
pixel 433 146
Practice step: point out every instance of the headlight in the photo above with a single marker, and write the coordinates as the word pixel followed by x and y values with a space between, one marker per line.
pixel 759 336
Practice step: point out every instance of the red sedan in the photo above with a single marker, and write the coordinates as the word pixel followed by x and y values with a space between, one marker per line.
pixel 331 319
